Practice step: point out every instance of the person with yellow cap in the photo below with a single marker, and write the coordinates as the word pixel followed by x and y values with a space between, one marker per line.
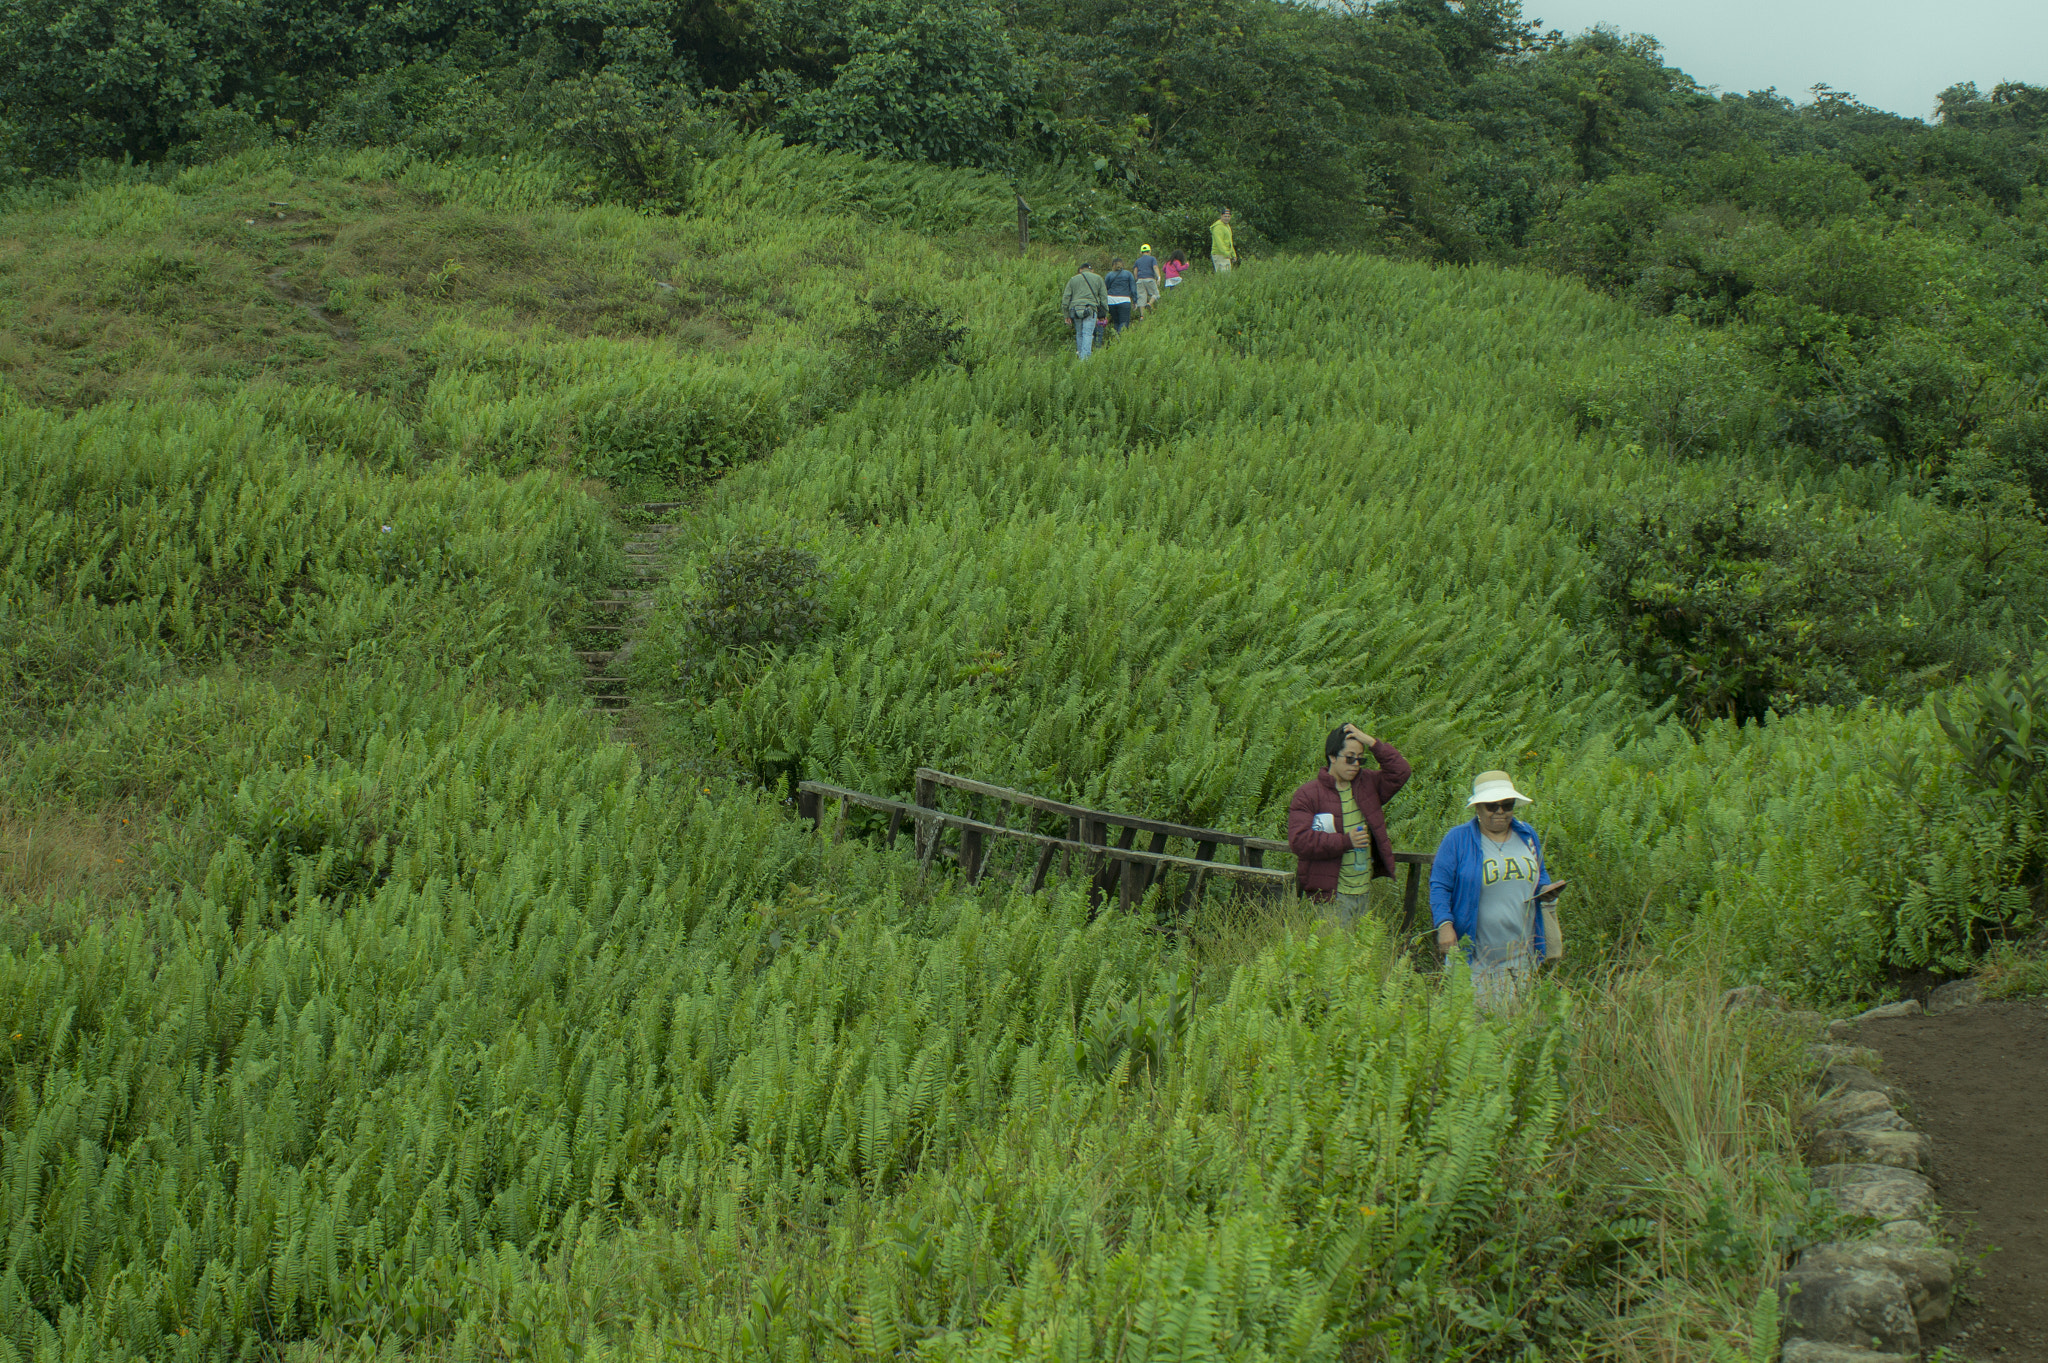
pixel 1146 268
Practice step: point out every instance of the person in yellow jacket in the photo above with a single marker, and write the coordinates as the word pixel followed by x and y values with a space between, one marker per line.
pixel 1222 251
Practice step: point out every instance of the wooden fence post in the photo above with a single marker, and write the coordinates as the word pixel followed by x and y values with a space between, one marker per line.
pixel 1204 851
pixel 972 853
pixel 925 836
pixel 1023 224
pixel 1044 865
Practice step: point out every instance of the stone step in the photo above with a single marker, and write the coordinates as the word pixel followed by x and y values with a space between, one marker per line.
pixel 597 655
pixel 611 702
pixel 1894 1149
pixel 659 506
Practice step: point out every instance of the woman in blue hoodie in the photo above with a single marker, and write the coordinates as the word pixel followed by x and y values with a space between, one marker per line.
pixel 1489 888
pixel 1123 287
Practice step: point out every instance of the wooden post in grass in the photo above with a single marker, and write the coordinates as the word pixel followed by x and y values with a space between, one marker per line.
pixel 926 833
pixel 1023 224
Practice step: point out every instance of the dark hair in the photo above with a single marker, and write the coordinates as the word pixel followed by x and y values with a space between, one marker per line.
pixel 1334 744
pixel 1117 264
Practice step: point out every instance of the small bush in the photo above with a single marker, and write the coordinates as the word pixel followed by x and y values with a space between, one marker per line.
pixel 757 598
pixel 1694 397
pixel 643 146
pixel 900 338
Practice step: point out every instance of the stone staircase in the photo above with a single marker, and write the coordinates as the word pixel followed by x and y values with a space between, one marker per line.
pixel 616 619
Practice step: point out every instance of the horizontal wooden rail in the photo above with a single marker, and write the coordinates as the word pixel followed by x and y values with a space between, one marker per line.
pixel 811 796
pixel 1143 825
pixel 1083 820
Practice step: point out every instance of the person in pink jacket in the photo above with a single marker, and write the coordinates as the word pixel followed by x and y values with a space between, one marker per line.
pixel 1335 824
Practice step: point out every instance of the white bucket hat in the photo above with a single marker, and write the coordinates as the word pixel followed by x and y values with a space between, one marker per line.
pixel 1491 786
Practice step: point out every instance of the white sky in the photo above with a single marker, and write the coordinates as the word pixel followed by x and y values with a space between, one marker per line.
pixel 1891 54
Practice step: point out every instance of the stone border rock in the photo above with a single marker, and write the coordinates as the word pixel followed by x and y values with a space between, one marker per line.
pixel 1864 1300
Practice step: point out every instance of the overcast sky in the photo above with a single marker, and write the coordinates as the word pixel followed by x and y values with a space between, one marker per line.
pixel 1891 54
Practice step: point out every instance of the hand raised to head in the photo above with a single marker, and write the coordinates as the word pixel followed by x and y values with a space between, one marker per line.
pixel 1353 731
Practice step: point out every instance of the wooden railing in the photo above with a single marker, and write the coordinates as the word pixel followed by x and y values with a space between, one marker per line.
pixel 1114 862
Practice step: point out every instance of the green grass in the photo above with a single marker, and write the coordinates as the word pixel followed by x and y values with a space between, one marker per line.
pixel 433 1020
pixel 1323 490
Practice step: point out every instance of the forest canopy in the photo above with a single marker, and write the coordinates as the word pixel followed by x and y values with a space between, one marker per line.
pixel 1458 131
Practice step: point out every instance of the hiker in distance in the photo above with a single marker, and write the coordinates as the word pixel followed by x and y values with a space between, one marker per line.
pixel 1222 249
pixel 1123 288
pixel 1490 889
pixel 1146 270
pixel 1084 300
pixel 1335 827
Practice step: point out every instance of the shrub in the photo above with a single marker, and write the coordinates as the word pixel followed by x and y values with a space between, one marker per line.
pixel 644 146
pixel 900 337
pixel 1694 395
pixel 755 598
pixel 2002 734
pixel 1746 604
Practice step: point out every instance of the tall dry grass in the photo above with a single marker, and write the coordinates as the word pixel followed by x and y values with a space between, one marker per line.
pixel 1683 1109
pixel 58 867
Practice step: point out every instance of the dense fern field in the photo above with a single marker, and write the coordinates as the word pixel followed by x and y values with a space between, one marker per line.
pixel 1338 487
pixel 361 994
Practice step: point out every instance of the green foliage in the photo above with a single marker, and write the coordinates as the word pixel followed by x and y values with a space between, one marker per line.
pixel 1741 604
pixel 439 1023
pixel 1151 583
pixel 194 533
pixel 2016 972
pixel 2002 735
pixel 645 149
pixel 899 339
pixel 919 81
pixel 2001 746
pixel 754 599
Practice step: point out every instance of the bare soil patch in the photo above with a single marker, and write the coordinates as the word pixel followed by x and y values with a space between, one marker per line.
pixel 1978 1079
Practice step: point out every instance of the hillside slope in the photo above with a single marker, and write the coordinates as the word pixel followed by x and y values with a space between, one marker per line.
pixel 437 1021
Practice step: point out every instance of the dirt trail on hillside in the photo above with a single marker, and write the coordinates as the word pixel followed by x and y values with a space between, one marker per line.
pixel 1978 1079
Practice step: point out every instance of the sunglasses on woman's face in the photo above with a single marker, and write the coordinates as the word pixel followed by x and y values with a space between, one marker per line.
pixel 1499 807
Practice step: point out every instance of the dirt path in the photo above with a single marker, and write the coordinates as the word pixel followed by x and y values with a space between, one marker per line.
pixel 1978 1079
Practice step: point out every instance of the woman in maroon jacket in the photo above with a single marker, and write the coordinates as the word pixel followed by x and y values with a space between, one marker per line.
pixel 1334 824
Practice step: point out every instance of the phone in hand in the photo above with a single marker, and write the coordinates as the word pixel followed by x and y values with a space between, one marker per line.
pixel 1549 892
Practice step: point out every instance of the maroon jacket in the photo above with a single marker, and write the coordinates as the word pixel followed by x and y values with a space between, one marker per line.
pixel 1320 856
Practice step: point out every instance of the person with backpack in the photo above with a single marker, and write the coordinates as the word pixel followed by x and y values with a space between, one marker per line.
pixel 1335 824
pixel 1122 287
pixel 1084 300
pixel 1146 270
